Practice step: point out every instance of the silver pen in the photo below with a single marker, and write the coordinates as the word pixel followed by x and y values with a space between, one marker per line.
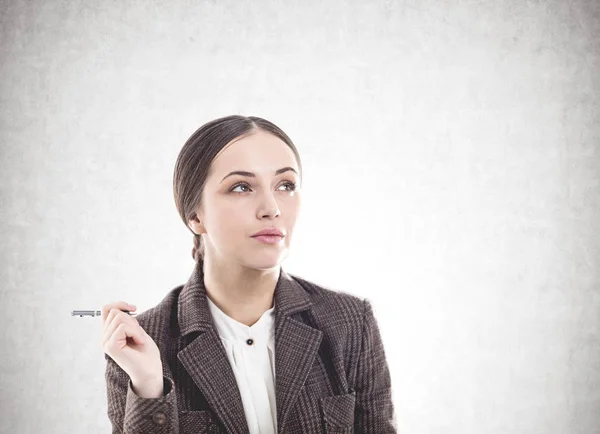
pixel 82 313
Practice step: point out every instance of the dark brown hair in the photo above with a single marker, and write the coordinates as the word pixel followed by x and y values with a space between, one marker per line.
pixel 194 160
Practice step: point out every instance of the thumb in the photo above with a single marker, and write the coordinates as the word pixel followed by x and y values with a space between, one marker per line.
pixel 141 337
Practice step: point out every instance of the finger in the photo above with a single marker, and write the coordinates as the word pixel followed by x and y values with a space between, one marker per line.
pixel 122 305
pixel 110 318
pixel 124 331
pixel 109 326
pixel 115 318
pixel 118 340
pixel 106 319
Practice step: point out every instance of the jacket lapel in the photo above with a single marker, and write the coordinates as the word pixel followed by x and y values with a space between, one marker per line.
pixel 296 345
pixel 205 359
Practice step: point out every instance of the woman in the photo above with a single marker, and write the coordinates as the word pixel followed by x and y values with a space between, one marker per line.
pixel 243 346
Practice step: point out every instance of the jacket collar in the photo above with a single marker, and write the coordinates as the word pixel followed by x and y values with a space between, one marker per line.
pixel 194 313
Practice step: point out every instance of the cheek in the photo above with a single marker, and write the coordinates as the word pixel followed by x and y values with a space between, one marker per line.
pixel 290 208
pixel 226 221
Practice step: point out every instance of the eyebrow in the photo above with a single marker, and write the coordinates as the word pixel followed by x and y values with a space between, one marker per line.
pixel 252 175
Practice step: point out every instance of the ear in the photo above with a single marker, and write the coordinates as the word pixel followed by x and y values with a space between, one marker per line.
pixel 196 225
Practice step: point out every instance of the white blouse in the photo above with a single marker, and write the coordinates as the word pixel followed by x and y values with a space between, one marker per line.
pixel 251 352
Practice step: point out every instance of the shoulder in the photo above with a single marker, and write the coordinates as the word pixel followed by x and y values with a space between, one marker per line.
pixel 321 294
pixel 332 305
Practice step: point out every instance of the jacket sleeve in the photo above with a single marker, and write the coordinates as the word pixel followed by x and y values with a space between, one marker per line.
pixel 129 414
pixel 374 410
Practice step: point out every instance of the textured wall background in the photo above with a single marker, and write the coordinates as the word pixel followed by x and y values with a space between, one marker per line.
pixel 452 166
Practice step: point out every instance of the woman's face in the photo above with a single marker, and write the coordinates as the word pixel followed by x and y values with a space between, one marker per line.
pixel 236 206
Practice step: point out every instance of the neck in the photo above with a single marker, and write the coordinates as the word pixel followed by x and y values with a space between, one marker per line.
pixel 242 293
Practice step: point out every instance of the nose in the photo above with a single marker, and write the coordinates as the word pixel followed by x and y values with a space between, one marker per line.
pixel 268 207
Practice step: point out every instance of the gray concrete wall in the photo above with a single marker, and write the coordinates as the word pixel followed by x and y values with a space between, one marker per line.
pixel 452 162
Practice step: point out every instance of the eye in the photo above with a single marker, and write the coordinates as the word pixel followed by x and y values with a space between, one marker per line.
pixel 291 185
pixel 240 184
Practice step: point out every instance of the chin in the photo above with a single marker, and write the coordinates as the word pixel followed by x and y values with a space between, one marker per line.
pixel 266 261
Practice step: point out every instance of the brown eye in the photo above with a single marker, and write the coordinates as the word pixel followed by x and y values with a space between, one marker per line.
pixel 291 186
pixel 241 184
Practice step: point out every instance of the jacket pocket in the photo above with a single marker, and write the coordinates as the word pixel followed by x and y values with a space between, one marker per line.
pixel 338 413
pixel 197 421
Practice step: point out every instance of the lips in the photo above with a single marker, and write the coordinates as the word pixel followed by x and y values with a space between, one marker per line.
pixel 268 232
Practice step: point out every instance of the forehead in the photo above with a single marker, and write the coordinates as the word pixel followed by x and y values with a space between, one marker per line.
pixel 258 152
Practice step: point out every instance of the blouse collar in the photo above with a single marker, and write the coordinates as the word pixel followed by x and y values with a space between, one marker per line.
pixel 232 330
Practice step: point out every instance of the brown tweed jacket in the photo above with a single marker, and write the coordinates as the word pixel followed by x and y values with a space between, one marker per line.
pixel 331 374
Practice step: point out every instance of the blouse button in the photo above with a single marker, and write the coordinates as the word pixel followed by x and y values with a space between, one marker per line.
pixel 249 341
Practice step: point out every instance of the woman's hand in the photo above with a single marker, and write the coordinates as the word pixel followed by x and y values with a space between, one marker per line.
pixel 128 344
